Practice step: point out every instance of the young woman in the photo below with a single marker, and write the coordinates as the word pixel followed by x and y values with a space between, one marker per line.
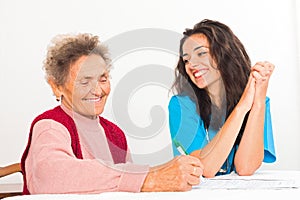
pixel 220 112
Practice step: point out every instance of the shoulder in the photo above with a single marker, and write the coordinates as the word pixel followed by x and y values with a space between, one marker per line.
pixel 56 114
pixel 50 127
pixel 182 101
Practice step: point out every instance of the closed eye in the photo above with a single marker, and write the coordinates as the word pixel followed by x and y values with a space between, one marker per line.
pixel 202 53
pixel 84 82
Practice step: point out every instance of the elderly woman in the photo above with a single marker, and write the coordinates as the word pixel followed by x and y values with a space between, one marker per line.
pixel 72 149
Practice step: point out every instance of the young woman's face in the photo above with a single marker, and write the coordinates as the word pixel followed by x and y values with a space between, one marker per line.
pixel 87 86
pixel 199 65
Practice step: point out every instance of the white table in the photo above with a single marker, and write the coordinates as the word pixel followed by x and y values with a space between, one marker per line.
pixel 239 192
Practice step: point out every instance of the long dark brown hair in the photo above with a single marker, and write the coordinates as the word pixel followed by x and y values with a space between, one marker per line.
pixel 232 61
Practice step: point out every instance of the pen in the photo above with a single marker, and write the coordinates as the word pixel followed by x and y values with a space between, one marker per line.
pixel 180 148
pixel 182 151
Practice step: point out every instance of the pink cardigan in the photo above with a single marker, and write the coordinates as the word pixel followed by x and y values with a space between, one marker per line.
pixel 55 165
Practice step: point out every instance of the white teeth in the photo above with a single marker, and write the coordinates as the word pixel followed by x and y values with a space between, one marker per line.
pixel 94 100
pixel 199 73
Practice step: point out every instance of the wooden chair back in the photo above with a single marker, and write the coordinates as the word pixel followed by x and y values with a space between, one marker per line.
pixel 7 190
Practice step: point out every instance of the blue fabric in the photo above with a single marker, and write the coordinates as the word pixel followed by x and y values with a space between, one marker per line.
pixel 187 128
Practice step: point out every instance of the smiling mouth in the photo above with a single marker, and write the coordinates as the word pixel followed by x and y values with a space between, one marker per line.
pixel 95 99
pixel 199 73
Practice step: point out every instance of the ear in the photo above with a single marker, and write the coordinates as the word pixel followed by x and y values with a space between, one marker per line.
pixel 55 89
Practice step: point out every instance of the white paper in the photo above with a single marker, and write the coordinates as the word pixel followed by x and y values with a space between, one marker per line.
pixel 260 180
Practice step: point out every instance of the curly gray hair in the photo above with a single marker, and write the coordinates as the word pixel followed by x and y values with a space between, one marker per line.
pixel 66 49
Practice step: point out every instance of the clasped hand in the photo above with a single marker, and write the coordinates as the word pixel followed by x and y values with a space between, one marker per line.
pixel 257 85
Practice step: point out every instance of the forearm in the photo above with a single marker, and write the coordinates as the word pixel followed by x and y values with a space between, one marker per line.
pixel 86 176
pixel 215 153
pixel 250 153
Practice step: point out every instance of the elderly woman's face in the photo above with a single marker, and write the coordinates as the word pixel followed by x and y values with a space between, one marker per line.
pixel 87 86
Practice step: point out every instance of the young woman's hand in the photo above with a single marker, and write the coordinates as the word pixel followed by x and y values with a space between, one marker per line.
pixel 261 72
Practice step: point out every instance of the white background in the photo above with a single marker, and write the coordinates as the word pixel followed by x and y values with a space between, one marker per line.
pixel 269 30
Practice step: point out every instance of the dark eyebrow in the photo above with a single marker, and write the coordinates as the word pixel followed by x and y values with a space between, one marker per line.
pixel 199 47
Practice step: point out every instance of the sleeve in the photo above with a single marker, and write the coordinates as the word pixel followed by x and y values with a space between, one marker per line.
pixel 269 153
pixel 185 125
pixel 53 168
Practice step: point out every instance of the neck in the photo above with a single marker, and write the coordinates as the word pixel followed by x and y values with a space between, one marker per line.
pixel 71 111
pixel 217 94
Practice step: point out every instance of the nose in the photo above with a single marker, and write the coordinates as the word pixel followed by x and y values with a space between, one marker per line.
pixel 97 89
pixel 191 64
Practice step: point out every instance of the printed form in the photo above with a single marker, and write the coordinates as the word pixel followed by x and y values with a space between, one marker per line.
pixel 259 180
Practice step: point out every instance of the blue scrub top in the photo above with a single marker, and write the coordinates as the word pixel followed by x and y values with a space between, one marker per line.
pixel 187 128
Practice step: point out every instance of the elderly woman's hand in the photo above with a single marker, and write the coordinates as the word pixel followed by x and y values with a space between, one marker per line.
pixel 179 174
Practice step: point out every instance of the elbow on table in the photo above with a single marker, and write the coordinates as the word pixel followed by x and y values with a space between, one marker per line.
pixel 209 174
pixel 245 171
pixel 247 168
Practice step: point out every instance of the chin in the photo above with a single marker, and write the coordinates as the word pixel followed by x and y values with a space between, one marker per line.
pixel 98 112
